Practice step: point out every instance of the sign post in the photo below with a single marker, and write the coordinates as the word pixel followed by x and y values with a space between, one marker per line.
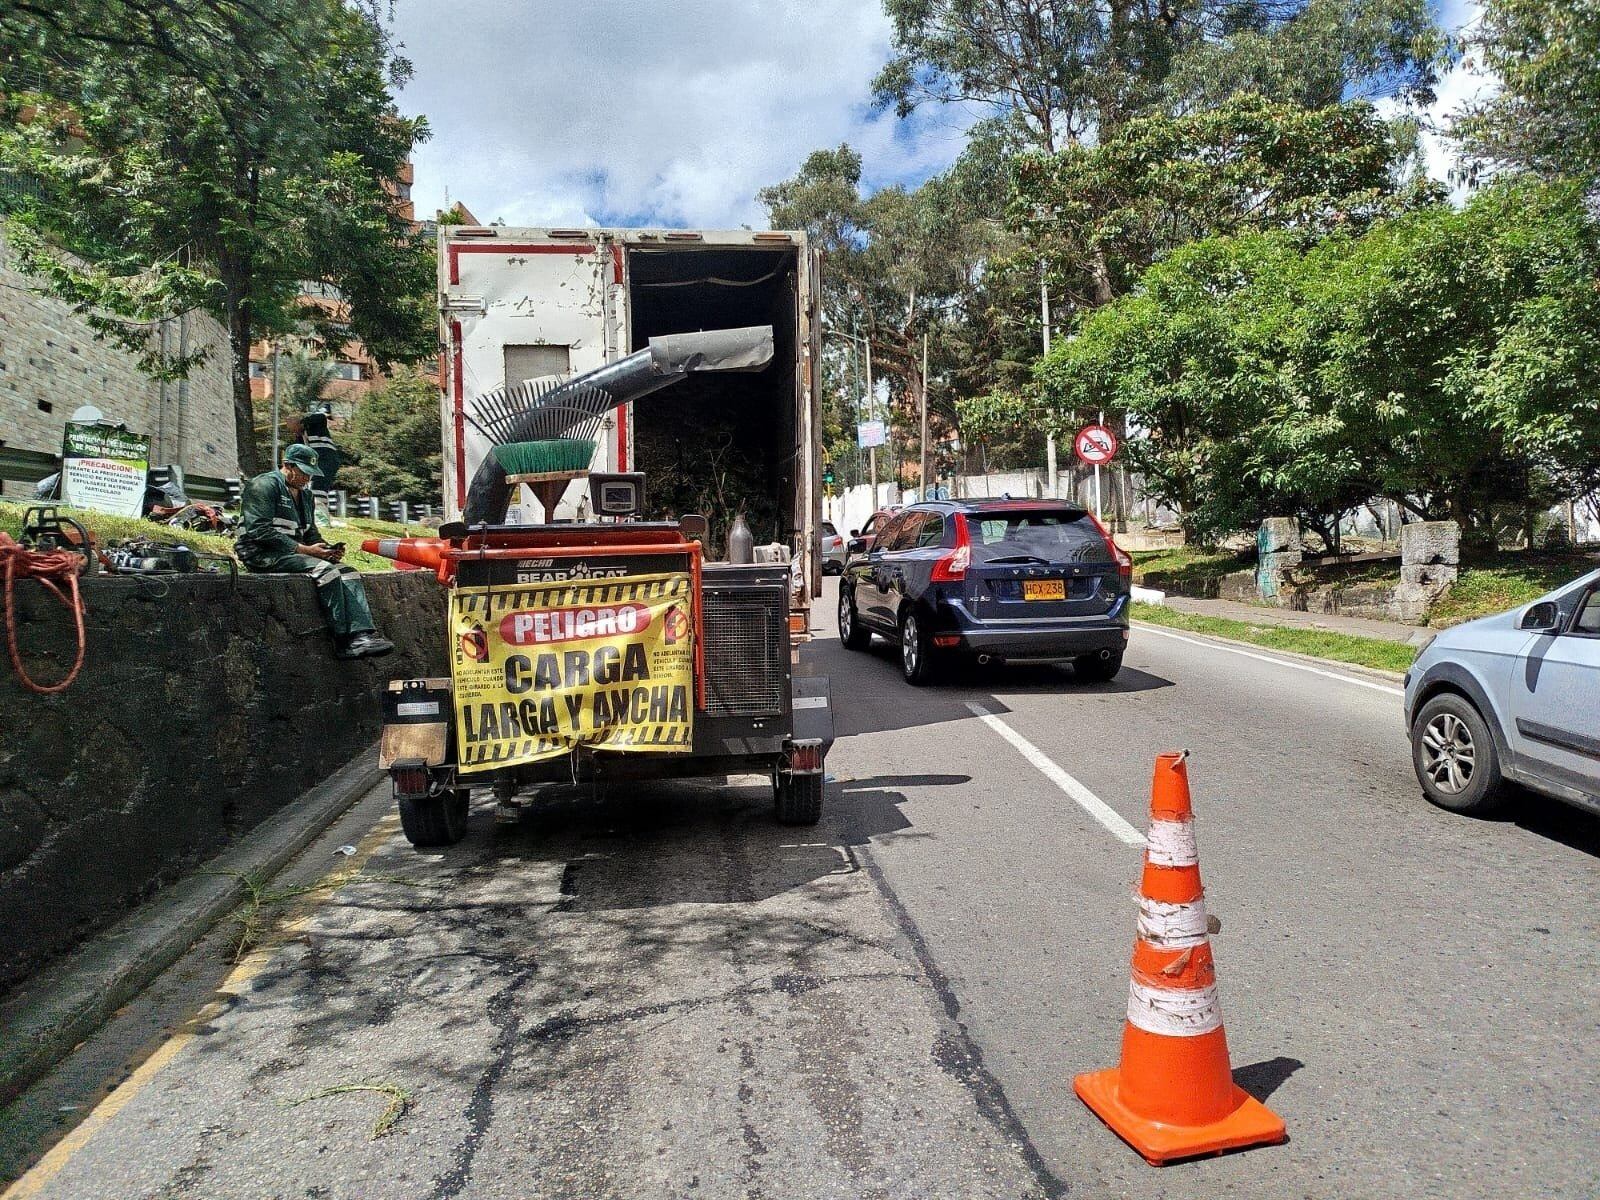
pixel 1095 445
pixel 104 467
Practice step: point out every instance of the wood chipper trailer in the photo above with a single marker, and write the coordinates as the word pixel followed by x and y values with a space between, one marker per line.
pixel 608 649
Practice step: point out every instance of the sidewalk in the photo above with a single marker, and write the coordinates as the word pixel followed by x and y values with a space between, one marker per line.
pixel 1388 631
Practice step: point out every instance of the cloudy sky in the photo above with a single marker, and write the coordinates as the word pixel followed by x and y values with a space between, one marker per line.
pixel 643 112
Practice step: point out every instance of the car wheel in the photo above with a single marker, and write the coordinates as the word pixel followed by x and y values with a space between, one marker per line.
pixel 797 799
pixel 1091 668
pixel 1454 756
pixel 852 632
pixel 916 655
pixel 429 821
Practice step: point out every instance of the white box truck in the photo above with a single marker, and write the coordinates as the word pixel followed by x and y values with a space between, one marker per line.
pixel 526 304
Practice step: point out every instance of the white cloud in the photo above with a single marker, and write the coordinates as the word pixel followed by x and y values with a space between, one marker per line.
pixel 1457 88
pixel 618 112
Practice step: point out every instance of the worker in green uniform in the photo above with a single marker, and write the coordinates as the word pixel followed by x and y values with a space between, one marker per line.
pixel 280 535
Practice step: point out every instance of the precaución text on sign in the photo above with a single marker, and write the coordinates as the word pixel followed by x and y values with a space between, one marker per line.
pixel 540 670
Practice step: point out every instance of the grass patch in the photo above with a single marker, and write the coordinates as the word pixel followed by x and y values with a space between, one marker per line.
pixel 104 529
pixel 1188 570
pixel 1507 581
pixel 1340 647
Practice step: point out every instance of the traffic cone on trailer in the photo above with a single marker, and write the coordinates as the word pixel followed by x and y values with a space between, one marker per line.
pixel 414 552
pixel 1174 1096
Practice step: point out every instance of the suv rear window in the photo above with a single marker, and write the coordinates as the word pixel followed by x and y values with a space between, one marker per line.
pixel 1053 536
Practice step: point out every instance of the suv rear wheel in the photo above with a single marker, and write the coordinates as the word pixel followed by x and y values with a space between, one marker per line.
pixel 1453 754
pixel 852 632
pixel 916 652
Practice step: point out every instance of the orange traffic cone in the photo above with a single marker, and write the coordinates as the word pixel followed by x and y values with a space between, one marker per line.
pixel 1174 1096
pixel 417 552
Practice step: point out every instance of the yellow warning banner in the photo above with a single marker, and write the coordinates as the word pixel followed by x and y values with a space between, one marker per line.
pixel 541 669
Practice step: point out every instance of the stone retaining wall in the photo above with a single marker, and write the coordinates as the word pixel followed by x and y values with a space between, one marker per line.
pixel 198 713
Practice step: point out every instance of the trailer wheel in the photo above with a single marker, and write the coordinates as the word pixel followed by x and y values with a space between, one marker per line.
pixel 797 799
pixel 430 821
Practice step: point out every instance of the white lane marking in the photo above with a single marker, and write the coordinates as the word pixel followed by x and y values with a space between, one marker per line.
pixel 1082 796
pixel 1267 658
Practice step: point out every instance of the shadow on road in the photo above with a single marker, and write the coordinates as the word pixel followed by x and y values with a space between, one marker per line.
pixel 1263 1078
pixel 1557 821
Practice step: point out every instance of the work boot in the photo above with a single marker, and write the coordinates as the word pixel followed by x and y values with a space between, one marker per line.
pixel 366 645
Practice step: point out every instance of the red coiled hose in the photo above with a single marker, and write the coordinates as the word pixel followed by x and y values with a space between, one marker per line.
pixel 47 566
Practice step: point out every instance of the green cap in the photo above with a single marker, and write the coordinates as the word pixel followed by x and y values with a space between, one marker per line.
pixel 305 458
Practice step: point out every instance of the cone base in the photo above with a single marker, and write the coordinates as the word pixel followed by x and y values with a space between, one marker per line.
pixel 1251 1123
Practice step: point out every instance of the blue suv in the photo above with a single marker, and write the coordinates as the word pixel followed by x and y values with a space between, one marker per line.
pixel 1515 696
pixel 991 580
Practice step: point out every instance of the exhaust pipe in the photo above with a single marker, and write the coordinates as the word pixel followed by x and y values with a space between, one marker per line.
pixel 1104 654
pixel 664 361
pixel 983 660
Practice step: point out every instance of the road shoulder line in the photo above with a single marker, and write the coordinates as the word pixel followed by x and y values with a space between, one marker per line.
pixel 1282 658
pixel 1077 792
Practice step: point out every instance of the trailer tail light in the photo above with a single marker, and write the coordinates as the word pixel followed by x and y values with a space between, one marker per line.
pixel 1124 561
pixel 952 568
pixel 805 757
pixel 410 778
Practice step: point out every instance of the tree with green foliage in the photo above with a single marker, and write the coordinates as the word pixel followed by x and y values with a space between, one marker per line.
pixel 901 263
pixel 1545 117
pixel 1060 72
pixel 214 156
pixel 395 441
pixel 1098 217
pixel 1446 359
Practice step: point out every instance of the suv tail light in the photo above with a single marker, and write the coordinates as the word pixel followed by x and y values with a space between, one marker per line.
pixel 952 567
pixel 1124 561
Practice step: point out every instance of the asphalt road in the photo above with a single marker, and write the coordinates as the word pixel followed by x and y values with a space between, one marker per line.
pixel 657 992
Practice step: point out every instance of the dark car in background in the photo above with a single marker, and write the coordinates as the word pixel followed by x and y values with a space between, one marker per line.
pixel 990 580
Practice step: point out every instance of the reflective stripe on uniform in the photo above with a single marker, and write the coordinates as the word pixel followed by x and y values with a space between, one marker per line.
pixel 326 573
pixel 285 524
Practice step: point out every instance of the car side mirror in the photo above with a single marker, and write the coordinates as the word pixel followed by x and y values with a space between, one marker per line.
pixel 855 533
pixel 1543 617
pixel 855 545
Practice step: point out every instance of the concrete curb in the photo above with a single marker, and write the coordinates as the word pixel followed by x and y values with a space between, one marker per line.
pixel 70 1000
pixel 1353 668
pixel 1144 595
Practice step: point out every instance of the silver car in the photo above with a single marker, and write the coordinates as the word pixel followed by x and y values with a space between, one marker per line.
pixel 832 550
pixel 1512 697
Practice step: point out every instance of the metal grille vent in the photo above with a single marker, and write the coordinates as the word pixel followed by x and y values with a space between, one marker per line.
pixel 746 651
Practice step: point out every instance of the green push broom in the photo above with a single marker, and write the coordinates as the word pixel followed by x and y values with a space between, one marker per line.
pixel 547 466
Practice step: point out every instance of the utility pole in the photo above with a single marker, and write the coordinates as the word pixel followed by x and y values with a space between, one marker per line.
pixel 872 415
pixel 275 458
pixel 1052 475
pixel 924 400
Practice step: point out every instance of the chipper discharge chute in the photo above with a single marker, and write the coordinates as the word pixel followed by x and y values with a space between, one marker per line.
pixel 603 649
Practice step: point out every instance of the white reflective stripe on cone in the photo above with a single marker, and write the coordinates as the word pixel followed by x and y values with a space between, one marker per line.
pixel 1171 844
pixel 1174 1012
pixel 1172 925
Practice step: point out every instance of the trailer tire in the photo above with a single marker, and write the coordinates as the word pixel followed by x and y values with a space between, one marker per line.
pixel 797 799
pixel 430 821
